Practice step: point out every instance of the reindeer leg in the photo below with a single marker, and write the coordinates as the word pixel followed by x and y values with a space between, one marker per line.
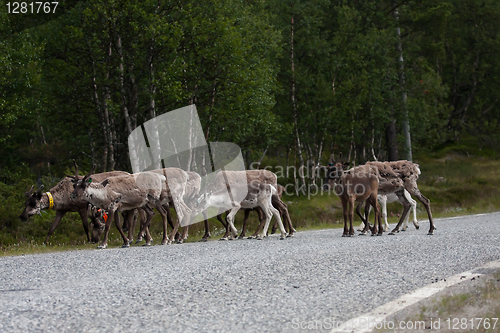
pixel 59 216
pixel 413 204
pixel 164 214
pixel 358 212
pixel 226 225
pixel 406 209
pixel 126 226
pixel 283 209
pixel 276 213
pixel 129 220
pixel 383 205
pixel 111 214
pixel 118 226
pixel 144 228
pixel 377 216
pixel 230 220
pixel 170 220
pixel 207 235
pixel 262 221
pixel 85 219
pixel 344 210
pixel 268 215
pixel 426 202
pixel 351 215
pixel 366 223
pixel 245 219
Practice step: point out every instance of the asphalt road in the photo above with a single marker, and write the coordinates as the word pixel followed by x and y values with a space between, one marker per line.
pixel 236 286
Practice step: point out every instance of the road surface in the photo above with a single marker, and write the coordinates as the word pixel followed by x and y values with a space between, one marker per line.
pixel 236 286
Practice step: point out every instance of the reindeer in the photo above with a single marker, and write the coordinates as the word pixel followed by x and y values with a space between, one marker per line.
pixel 259 194
pixel 397 176
pixel 59 199
pixel 124 193
pixel 358 184
pixel 249 177
pixel 280 189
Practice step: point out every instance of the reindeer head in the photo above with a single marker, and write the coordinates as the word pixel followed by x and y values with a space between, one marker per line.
pixel 32 203
pixel 334 172
pixel 79 185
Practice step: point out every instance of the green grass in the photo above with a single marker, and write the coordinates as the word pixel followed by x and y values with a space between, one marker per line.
pixel 482 301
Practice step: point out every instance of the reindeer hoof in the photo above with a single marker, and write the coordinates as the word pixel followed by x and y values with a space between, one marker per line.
pixel 417 227
pixel 223 239
pixel 138 241
pixel 379 234
pixel 283 236
pixel 102 246
pixel 146 244
pixel 430 233
pixel 203 240
pixel 362 233
pixel 290 235
pixel 124 246
pixel 180 241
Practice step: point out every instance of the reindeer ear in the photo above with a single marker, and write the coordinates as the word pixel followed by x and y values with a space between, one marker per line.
pixel 105 182
pixel 340 156
pixel 89 180
pixel 331 161
pixel 40 189
pixel 345 165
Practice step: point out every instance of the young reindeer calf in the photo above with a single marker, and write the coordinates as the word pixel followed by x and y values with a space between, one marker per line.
pixel 258 195
pixel 356 185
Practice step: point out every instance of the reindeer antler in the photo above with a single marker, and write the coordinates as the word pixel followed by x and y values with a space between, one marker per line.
pixel 76 169
pixel 40 189
pixel 90 173
pixel 332 159
pixel 28 193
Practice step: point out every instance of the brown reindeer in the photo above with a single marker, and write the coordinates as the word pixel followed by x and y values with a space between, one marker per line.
pixel 192 189
pixel 62 203
pixel 359 184
pixel 124 193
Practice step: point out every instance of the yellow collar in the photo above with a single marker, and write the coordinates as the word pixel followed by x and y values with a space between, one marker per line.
pixel 51 200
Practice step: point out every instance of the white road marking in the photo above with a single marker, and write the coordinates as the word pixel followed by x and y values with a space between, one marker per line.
pixel 366 323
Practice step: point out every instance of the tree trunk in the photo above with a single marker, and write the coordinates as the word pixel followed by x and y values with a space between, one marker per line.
pixel 295 115
pixel 124 107
pixel 406 121
pixel 391 139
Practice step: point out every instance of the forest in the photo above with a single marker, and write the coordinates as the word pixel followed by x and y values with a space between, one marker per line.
pixel 289 81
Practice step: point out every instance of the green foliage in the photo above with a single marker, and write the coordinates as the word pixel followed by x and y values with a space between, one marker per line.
pixel 74 84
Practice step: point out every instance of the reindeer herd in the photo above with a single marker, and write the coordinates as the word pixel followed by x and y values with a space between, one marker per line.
pixel 103 196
